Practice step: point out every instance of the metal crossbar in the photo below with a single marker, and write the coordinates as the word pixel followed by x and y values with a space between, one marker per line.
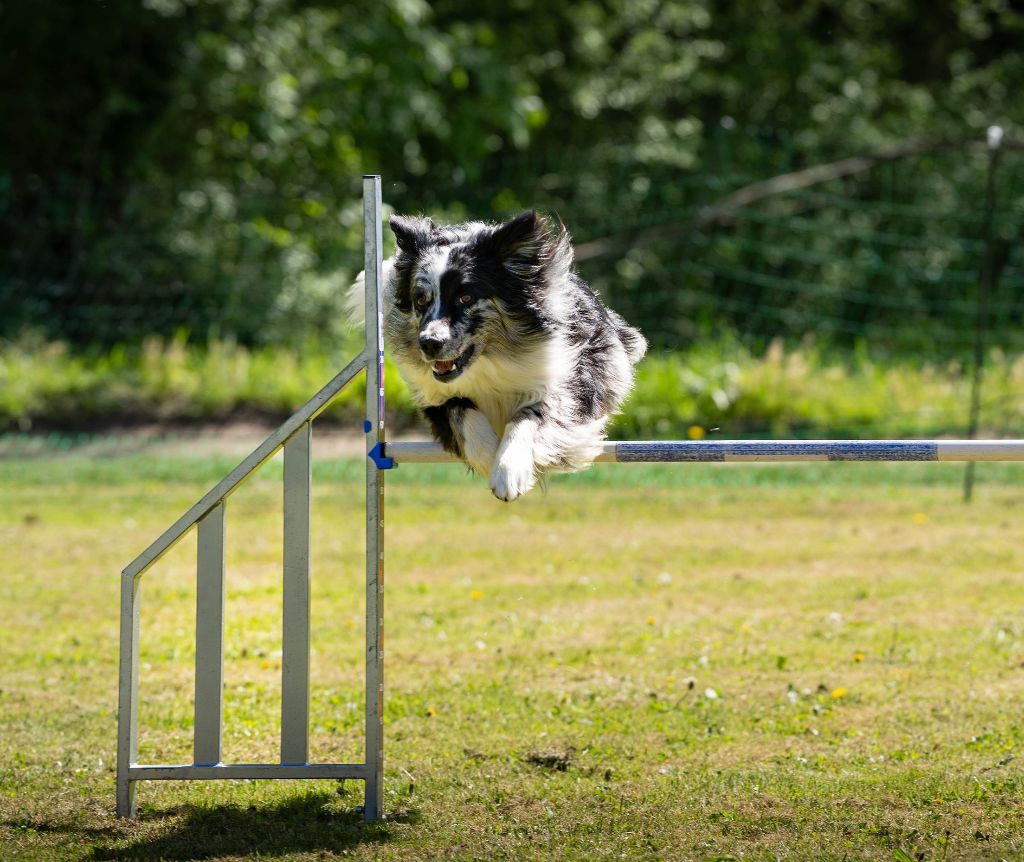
pixel 654 451
pixel 295 436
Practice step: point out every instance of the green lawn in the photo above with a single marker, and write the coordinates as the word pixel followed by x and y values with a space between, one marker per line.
pixel 801 662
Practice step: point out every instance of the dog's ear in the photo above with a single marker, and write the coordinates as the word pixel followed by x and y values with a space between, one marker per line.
pixel 512 235
pixel 412 233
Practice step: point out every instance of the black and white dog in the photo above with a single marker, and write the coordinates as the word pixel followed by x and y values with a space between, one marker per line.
pixel 515 362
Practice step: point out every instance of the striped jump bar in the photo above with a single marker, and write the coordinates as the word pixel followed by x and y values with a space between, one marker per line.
pixel 692 451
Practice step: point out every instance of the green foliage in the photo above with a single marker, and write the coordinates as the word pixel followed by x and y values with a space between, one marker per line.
pixel 237 204
pixel 207 178
pixel 806 391
pixel 164 381
pixel 798 391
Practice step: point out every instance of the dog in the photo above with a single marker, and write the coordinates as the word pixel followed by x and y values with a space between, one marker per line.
pixel 512 358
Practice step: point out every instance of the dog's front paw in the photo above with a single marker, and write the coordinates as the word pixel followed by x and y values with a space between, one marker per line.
pixel 512 477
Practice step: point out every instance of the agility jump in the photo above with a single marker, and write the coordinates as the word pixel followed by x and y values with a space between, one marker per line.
pixel 294 436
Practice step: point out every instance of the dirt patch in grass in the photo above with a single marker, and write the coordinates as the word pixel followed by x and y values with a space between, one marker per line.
pixel 551 758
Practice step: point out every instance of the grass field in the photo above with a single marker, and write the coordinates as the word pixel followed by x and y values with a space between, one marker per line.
pixel 683 662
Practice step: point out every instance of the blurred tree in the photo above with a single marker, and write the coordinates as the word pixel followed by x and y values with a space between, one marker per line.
pixel 194 163
pixel 82 86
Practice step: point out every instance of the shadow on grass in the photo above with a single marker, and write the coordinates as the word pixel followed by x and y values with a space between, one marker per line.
pixel 304 824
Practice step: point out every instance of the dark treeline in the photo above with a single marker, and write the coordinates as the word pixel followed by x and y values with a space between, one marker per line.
pixel 171 164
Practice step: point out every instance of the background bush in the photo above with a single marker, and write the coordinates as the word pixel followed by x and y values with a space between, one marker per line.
pixel 194 164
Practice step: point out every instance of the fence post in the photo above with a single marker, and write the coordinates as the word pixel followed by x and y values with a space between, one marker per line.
pixel 295 598
pixel 373 241
pixel 128 695
pixel 995 138
pixel 210 595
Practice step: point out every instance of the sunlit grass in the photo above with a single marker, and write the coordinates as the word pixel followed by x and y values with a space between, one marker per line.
pixel 817 661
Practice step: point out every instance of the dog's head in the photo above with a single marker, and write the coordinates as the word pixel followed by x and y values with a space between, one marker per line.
pixel 470 289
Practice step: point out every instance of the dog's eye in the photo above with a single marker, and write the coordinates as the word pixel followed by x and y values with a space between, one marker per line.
pixel 465 299
pixel 421 300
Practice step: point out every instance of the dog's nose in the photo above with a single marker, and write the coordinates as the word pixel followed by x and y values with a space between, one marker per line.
pixel 430 345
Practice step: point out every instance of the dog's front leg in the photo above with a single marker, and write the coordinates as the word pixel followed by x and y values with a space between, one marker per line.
pixel 515 469
pixel 465 432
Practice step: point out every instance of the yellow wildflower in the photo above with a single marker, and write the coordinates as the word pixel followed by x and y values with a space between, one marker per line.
pixel 838 692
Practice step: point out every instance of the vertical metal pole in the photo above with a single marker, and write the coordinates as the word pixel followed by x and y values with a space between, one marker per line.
pixel 209 705
pixel 295 616
pixel 995 138
pixel 128 695
pixel 373 242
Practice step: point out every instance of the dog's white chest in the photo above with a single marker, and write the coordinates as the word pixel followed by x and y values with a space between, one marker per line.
pixel 498 410
pixel 497 396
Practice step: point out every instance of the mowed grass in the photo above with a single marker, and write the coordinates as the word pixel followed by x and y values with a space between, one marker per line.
pixel 680 662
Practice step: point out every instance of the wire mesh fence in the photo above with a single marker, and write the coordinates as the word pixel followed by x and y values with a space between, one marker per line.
pixel 891 255
pixel 879 256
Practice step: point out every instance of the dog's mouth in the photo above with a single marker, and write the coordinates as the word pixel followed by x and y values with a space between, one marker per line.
pixel 448 369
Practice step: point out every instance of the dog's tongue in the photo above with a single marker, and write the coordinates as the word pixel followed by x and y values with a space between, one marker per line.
pixel 444 366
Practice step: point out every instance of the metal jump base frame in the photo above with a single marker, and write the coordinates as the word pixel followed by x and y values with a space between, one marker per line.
pixel 294 436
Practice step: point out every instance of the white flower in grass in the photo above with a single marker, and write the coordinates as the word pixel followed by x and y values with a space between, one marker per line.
pixel 710 694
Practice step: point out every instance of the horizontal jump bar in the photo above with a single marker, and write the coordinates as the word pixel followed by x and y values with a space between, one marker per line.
pixel 248 770
pixel 648 451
